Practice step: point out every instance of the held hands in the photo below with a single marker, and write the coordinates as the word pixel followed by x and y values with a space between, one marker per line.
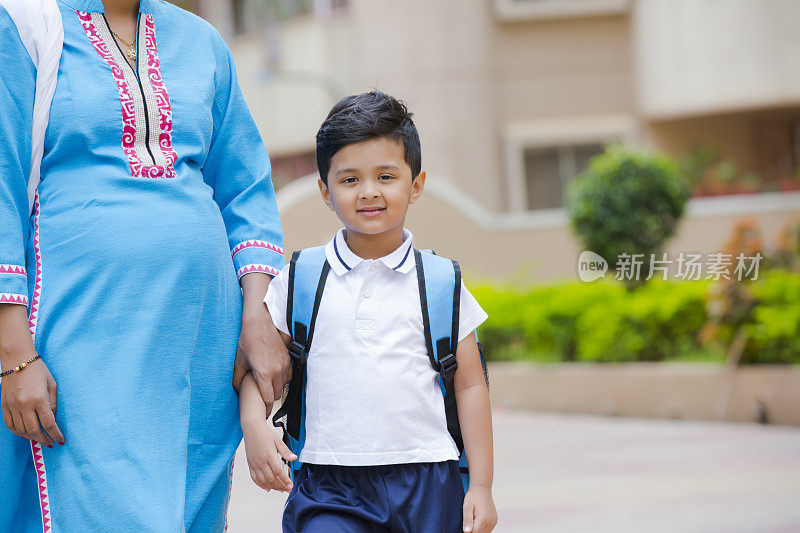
pixel 265 451
pixel 29 404
pixel 480 515
pixel 262 351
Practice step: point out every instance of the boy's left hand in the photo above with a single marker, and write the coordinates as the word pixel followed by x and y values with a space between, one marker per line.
pixel 265 451
pixel 480 515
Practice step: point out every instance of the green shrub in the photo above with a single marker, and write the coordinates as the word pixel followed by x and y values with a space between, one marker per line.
pixel 603 322
pixel 774 335
pixel 626 202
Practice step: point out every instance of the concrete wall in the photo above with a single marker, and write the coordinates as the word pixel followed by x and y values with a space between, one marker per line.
pixel 653 390
pixel 712 56
pixel 545 69
pixel 530 247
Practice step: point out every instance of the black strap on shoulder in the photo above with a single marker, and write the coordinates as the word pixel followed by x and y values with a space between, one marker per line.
pixel 290 291
pixel 298 350
pixel 456 304
pixel 445 347
pixel 450 408
pixel 423 300
pixel 326 268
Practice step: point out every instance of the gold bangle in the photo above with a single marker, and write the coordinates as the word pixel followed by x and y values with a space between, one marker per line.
pixel 20 367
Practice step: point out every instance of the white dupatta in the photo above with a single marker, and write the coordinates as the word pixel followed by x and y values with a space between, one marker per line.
pixel 42 32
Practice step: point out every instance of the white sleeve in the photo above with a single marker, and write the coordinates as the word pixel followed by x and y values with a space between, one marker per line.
pixel 276 299
pixel 470 314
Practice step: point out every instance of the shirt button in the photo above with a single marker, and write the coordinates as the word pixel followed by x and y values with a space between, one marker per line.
pixel 367 293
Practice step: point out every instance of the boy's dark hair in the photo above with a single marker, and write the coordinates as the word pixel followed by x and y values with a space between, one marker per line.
pixel 367 116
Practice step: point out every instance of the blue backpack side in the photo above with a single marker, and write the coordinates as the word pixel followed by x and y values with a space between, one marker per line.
pixel 439 284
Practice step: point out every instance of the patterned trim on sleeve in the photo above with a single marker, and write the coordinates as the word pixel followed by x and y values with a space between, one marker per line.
pixel 13 269
pixel 265 269
pixel 8 298
pixel 256 244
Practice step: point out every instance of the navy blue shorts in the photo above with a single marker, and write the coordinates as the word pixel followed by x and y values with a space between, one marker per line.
pixel 413 497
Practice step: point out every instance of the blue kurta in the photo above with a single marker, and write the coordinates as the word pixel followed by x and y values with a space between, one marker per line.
pixel 155 194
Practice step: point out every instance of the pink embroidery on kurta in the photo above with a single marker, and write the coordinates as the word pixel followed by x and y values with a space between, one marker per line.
pixel 125 96
pixel 257 244
pixel 162 97
pixel 264 269
pixel 10 298
pixel 128 101
pixel 36 448
pixel 13 269
pixel 33 317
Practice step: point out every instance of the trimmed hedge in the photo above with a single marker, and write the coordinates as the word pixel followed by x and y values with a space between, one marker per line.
pixel 604 322
pixel 774 334
pixel 628 201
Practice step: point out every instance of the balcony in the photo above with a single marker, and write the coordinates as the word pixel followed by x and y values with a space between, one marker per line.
pixel 701 57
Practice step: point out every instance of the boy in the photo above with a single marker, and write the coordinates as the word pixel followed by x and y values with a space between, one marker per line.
pixel 377 452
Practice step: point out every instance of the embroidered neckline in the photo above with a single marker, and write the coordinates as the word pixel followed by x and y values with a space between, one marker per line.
pixel 144 100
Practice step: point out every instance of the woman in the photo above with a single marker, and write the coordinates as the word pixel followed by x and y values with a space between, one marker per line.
pixel 155 193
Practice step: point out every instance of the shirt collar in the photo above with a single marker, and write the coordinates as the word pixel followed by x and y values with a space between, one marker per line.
pixel 342 259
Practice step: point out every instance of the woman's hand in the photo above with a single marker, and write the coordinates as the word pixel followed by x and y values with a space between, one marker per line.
pixel 265 453
pixel 480 515
pixel 29 396
pixel 262 352
pixel 261 349
pixel 29 404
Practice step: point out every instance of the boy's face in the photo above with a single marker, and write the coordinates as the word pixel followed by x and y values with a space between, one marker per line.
pixel 370 186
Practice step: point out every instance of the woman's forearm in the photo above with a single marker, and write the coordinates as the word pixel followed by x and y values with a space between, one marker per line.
pixel 16 343
pixel 254 288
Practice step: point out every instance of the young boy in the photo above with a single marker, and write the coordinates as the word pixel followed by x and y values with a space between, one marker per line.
pixel 377 453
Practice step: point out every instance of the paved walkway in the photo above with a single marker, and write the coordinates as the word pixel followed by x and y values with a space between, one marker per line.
pixel 557 473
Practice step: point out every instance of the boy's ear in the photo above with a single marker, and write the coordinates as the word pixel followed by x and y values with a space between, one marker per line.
pixel 416 187
pixel 326 194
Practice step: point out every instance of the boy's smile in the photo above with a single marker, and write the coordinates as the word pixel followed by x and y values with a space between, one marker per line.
pixel 370 187
pixel 370 212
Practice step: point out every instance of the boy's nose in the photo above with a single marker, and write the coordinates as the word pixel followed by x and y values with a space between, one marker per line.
pixel 369 191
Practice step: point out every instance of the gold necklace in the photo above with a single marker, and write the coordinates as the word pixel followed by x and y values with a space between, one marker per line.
pixel 131 46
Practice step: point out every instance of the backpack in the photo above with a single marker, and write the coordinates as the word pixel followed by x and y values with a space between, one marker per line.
pixel 439 282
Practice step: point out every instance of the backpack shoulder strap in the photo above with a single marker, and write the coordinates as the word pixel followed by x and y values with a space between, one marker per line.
pixel 439 281
pixel 308 271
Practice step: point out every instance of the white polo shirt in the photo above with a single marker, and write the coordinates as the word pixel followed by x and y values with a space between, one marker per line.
pixel 372 396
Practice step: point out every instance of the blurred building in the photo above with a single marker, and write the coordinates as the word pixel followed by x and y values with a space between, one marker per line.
pixel 513 97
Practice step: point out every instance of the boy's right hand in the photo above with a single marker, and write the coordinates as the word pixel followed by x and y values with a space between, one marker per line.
pixel 480 515
pixel 265 451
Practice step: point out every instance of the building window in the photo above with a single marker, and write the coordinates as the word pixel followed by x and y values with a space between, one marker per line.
pixel 548 170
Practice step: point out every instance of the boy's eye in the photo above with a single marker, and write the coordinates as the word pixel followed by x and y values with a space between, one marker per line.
pixel 349 179
pixel 387 176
